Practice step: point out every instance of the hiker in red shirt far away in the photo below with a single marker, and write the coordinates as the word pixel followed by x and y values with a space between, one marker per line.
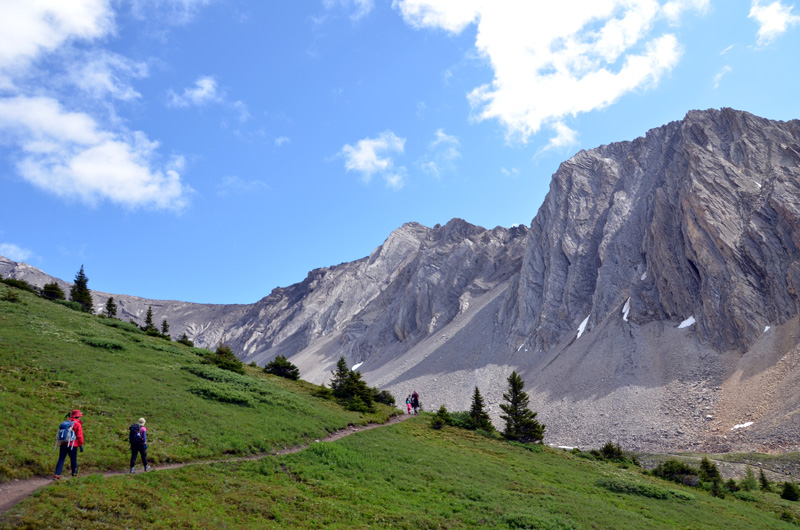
pixel 69 440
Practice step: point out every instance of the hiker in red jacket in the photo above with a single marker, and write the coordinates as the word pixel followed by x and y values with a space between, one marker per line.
pixel 71 447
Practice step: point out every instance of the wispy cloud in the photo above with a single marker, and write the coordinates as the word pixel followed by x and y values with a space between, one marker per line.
pixel 443 152
pixel 358 8
pixel 203 92
pixel 774 19
pixel 14 252
pixel 70 155
pixel 373 156
pixel 556 60
pixel 175 12
pixel 102 73
pixel 282 140
pixel 718 78
pixel 234 185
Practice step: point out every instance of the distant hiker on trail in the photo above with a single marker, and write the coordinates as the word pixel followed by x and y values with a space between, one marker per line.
pixel 415 402
pixel 138 440
pixel 68 440
pixel 408 403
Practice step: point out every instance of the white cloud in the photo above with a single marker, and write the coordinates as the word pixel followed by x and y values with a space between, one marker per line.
pixel 68 154
pixel 104 73
pixel 281 140
pixel 564 138
pixel 14 252
pixel 773 20
pixel 203 92
pixel 513 172
pixel 34 27
pixel 372 156
pixel 720 75
pixel 558 59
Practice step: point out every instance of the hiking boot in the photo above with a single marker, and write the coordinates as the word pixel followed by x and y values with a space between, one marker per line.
pixel 74 475
pixel 147 468
pixel 56 477
pixel 133 470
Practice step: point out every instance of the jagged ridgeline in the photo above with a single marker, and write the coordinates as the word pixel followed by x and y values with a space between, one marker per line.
pixel 652 301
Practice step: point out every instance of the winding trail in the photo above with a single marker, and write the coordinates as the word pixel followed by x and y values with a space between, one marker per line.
pixel 13 492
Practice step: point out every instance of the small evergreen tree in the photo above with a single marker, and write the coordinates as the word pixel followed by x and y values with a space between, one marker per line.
pixel 185 340
pixel 441 418
pixel 340 376
pixel 80 291
pixel 53 291
pixel 111 307
pixel 148 320
pixel 763 481
pixel 282 368
pixel 478 416
pixel 521 423
pixel 790 492
pixel 732 486
pixel 708 471
pixel 165 327
pixel 226 359
pixel 749 482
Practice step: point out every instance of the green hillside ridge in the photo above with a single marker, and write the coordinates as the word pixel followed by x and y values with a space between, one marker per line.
pixel 407 475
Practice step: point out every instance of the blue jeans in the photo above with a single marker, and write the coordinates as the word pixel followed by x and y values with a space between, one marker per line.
pixel 63 451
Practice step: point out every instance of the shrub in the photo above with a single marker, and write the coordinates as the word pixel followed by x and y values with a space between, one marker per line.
pixel 633 488
pixel 709 471
pixel 732 486
pixel 383 396
pixel 677 472
pixel 323 392
pixel 10 296
pixel 53 291
pixel 441 418
pixel 223 358
pixel 357 404
pixel 749 482
pixel 222 393
pixel 282 368
pixel 97 342
pixel 790 492
pixel 75 306
pixel 460 419
pixel 745 496
pixel 717 490
pixel 20 284
pixel 185 340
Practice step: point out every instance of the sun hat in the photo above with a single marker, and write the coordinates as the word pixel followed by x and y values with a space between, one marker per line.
pixel 75 414
pixel 142 421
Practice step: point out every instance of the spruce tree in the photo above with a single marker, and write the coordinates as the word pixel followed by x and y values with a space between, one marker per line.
pixel 53 291
pixel 521 423
pixel 764 482
pixel 80 291
pixel 148 320
pixel 479 417
pixel 340 376
pixel 111 308
pixel 165 327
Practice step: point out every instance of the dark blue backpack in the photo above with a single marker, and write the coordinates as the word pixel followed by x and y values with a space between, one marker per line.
pixel 135 436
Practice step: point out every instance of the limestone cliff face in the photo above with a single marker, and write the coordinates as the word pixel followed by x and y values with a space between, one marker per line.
pixel 699 218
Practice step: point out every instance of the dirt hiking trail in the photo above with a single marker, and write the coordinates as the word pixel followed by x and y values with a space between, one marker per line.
pixel 14 491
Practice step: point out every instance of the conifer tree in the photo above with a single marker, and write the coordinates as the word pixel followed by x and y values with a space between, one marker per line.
pixel 479 417
pixel 53 291
pixel 340 376
pixel 148 319
pixel 521 423
pixel 764 482
pixel 282 367
pixel 80 291
pixel 165 327
pixel 111 308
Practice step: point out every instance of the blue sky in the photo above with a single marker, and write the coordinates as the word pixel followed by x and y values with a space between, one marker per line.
pixel 212 150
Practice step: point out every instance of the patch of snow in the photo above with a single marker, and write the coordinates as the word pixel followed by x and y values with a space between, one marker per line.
pixel 742 425
pixel 688 322
pixel 626 309
pixel 582 327
pixel 757 183
pixel 644 275
pixel 766 329
pixel 520 346
pixel 356 366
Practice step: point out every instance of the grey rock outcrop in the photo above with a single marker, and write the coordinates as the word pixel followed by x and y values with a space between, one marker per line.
pixel 652 302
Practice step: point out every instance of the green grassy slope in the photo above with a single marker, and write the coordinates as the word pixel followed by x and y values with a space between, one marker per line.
pixel 54 359
pixel 404 476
